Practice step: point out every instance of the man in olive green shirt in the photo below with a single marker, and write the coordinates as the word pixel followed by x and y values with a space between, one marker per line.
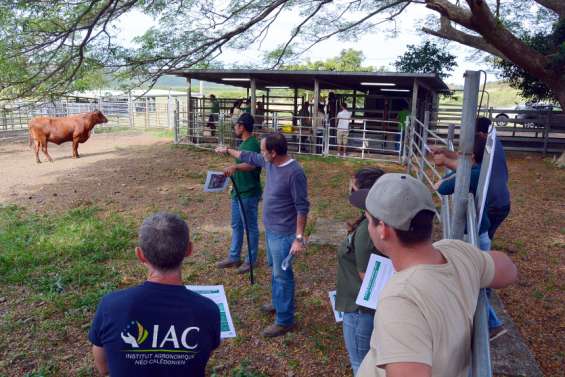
pixel 248 181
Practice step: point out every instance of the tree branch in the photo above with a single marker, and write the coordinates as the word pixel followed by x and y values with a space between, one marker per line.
pixel 497 35
pixel 452 12
pixel 558 6
pixel 297 30
pixel 361 21
pixel 446 31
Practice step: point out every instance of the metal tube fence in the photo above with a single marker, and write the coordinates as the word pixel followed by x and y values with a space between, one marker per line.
pixel 363 140
pixel 121 112
pixel 418 139
pixel 466 140
pixel 480 360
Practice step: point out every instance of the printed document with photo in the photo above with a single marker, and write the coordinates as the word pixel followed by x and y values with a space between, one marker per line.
pixel 216 181
pixel 217 294
pixel 379 271
pixel 338 315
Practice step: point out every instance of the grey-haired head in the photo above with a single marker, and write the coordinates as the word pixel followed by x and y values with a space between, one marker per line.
pixel 164 239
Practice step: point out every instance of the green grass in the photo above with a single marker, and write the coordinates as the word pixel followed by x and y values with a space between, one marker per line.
pixel 62 258
pixel 242 370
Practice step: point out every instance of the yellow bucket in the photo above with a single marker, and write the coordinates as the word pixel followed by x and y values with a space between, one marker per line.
pixel 286 129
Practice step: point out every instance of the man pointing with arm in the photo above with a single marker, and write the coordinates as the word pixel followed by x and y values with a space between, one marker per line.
pixel 285 213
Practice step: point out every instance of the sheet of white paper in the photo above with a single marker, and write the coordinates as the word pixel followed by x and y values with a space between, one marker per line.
pixel 338 315
pixel 217 294
pixel 490 147
pixel 216 181
pixel 379 271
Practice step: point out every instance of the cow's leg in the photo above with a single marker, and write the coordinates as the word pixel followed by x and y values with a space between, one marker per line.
pixel 44 149
pixel 36 150
pixel 75 148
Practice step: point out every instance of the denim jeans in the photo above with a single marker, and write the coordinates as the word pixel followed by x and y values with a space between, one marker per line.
pixel 282 282
pixel 357 330
pixel 238 230
pixel 493 320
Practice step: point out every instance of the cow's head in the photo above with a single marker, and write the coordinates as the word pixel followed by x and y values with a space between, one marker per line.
pixel 99 117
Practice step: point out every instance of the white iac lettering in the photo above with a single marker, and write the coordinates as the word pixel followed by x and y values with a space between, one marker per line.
pixel 155 334
pixel 171 336
pixel 185 334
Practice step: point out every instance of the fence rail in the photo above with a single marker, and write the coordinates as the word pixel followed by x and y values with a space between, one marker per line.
pixel 520 130
pixel 121 112
pixel 367 138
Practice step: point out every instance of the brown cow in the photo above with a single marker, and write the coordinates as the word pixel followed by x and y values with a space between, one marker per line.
pixel 75 128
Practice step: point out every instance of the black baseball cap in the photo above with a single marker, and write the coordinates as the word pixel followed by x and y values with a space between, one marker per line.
pixel 357 198
pixel 247 120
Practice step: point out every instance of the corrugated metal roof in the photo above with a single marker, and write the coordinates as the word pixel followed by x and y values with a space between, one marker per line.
pixel 305 79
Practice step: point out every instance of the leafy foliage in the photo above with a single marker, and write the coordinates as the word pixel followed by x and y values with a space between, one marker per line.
pixel 426 58
pixel 349 60
pixel 553 44
pixel 48 49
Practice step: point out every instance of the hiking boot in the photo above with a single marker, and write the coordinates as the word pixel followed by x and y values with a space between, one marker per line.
pixel 268 308
pixel 228 263
pixel 497 332
pixel 244 268
pixel 276 330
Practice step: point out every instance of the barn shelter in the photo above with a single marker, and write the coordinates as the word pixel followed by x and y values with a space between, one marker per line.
pixel 374 98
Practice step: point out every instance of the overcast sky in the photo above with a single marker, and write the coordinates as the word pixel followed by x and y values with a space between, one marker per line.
pixel 378 49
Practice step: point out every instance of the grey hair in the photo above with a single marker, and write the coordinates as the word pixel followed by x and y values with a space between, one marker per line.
pixel 164 239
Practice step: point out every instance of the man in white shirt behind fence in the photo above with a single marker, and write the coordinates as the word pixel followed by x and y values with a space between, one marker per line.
pixel 343 119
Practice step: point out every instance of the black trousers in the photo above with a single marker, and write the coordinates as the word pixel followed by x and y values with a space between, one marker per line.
pixel 496 216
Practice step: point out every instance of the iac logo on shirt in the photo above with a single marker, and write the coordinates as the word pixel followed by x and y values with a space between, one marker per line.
pixel 135 334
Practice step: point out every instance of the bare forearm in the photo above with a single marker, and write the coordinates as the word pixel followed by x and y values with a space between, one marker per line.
pixel 234 153
pixel 100 360
pixel 450 154
pixel 451 163
pixel 244 166
pixel 301 223
pixel 505 271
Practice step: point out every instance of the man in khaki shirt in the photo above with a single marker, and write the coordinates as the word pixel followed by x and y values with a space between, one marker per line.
pixel 424 317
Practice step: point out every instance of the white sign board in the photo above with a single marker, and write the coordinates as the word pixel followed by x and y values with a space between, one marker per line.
pixel 379 271
pixel 217 294
pixel 486 173
pixel 216 181
pixel 338 315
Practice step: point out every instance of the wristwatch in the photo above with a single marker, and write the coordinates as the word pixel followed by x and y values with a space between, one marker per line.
pixel 301 239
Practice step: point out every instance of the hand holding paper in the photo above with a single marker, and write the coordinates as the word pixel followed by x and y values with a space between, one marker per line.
pixel 379 271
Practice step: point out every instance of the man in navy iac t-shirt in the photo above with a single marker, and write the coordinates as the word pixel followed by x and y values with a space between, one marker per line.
pixel 158 328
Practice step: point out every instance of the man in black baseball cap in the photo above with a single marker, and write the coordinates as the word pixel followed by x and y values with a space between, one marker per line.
pixel 424 318
pixel 248 181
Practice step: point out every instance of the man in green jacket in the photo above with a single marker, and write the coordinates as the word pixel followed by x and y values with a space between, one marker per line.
pixel 247 180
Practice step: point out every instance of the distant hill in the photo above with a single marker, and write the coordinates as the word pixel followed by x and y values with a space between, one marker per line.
pixel 498 95
pixel 173 82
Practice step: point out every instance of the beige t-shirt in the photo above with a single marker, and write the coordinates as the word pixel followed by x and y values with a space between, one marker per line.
pixel 425 313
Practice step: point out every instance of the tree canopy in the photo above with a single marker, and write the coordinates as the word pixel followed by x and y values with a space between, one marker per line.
pixel 52 48
pixel 428 57
pixel 550 42
pixel 349 60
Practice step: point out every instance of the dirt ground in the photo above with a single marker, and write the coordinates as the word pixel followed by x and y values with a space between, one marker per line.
pixel 138 173
pixel 22 176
